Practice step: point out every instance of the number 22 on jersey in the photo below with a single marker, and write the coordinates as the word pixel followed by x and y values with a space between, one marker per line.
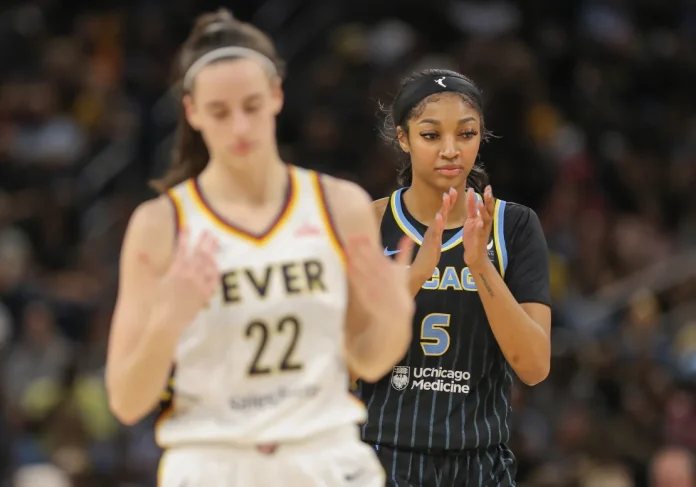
pixel 287 328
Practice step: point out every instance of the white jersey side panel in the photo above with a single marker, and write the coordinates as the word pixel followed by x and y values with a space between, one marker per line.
pixel 264 362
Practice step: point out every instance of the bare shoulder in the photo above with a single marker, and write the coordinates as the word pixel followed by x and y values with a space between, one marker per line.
pixel 153 217
pixel 151 230
pixel 345 196
pixel 350 205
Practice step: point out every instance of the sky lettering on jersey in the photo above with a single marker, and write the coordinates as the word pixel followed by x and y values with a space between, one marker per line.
pixel 451 279
pixel 293 278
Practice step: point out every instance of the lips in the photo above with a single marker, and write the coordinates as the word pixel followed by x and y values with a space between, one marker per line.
pixel 241 147
pixel 450 170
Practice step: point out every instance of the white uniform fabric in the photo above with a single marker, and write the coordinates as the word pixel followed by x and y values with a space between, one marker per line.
pixel 335 459
pixel 264 362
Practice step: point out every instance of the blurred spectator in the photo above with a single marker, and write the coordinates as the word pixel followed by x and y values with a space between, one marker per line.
pixel 38 360
pixel 673 467
pixel 43 475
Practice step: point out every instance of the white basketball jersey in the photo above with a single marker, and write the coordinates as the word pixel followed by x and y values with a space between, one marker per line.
pixel 264 361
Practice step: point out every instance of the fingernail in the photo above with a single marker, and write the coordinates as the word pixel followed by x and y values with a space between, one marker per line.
pixel 444 194
pixel 437 214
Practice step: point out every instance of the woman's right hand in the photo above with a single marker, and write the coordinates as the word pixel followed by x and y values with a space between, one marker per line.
pixel 190 281
pixel 428 256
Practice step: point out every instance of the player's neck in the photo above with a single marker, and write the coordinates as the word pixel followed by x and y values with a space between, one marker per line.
pixel 249 182
pixel 423 202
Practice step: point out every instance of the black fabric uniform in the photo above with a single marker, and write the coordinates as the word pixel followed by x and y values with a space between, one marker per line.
pixel 442 417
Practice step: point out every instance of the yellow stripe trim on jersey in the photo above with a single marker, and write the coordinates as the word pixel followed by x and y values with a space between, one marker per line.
pixel 163 417
pixel 179 216
pixel 499 235
pixel 160 469
pixel 403 225
pixel 451 244
pixel 411 231
pixel 166 402
pixel 326 218
pixel 223 224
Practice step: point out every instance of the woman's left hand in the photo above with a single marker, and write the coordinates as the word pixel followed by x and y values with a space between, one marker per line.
pixel 477 227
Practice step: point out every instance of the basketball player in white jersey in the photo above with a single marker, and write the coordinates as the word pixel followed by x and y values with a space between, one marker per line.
pixel 236 280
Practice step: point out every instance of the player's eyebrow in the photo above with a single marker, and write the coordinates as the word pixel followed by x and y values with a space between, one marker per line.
pixel 222 104
pixel 434 121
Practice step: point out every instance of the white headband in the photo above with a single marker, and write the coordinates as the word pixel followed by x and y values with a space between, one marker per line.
pixel 227 52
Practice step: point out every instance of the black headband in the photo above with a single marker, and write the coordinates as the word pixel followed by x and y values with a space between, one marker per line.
pixel 423 87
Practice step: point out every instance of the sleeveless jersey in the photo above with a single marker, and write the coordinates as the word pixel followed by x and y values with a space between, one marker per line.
pixel 264 361
pixel 452 390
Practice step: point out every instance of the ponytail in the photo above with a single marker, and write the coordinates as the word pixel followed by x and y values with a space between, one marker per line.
pixel 190 156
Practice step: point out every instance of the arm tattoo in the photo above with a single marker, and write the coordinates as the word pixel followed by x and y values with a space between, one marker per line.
pixel 485 283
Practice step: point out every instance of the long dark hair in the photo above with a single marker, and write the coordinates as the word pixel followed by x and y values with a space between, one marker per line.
pixel 477 178
pixel 211 31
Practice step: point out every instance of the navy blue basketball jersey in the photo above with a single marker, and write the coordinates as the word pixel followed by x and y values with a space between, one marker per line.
pixel 452 390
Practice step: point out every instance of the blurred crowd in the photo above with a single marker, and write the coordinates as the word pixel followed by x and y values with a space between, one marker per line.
pixel 592 105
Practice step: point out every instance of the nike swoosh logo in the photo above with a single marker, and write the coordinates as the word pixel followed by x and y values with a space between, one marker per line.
pixel 388 252
pixel 490 245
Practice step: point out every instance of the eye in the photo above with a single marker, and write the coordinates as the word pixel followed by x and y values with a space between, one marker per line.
pixel 429 135
pixel 469 133
pixel 219 114
pixel 252 108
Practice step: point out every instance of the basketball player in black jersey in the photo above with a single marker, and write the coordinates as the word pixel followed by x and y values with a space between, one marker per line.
pixel 480 278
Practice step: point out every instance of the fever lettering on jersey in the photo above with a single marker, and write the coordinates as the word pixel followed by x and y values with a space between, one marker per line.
pixel 291 278
pixel 264 361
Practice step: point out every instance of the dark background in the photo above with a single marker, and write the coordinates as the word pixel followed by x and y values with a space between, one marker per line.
pixel 593 105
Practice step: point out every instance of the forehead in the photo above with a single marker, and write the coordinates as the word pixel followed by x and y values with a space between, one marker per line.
pixel 230 79
pixel 446 107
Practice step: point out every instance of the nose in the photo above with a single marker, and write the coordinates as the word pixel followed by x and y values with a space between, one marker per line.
pixel 449 150
pixel 239 125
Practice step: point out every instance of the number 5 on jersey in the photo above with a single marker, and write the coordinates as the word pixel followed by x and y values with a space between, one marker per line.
pixel 435 339
pixel 288 326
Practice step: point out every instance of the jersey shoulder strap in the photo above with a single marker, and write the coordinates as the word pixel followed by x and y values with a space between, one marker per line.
pixel 178 197
pixel 316 204
pixel 499 235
